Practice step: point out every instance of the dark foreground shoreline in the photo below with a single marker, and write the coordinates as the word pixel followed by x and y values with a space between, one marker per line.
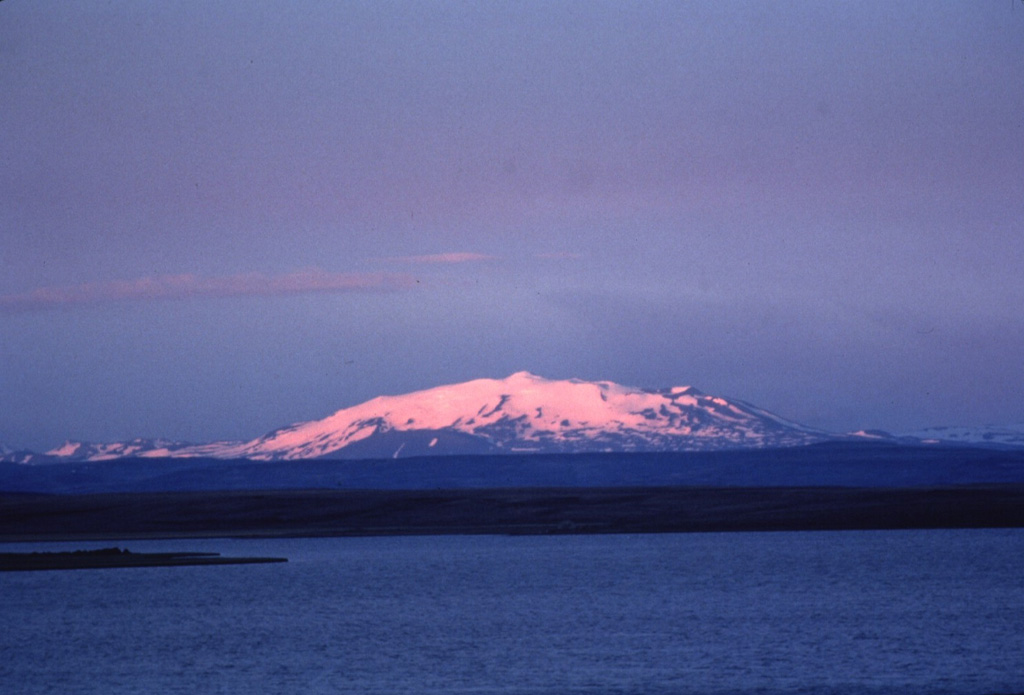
pixel 298 513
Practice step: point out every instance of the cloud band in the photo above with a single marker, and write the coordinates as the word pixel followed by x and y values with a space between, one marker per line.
pixel 166 287
pixel 443 258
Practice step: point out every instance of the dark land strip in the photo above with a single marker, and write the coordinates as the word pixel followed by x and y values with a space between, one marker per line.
pixel 108 558
pixel 297 513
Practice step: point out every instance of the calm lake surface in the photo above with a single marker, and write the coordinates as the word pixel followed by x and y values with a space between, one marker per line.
pixel 845 612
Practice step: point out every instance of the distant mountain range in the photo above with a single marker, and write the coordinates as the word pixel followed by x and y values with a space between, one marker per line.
pixel 520 414
pixel 1002 436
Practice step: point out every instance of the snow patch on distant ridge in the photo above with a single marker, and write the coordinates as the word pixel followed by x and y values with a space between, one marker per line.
pixel 1010 435
pixel 66 449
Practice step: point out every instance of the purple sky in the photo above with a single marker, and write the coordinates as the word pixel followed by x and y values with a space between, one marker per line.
pixel 221 218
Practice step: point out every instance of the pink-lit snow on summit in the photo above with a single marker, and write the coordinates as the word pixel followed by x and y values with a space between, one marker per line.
pixel 525 412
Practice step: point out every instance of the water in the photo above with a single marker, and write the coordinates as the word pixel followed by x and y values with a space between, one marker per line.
pixel 843 613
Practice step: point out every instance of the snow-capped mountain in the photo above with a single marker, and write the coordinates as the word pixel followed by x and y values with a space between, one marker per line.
pixel 521 413
pixel 527 413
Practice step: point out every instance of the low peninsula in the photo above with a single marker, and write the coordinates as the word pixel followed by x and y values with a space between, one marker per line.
pixel 106 558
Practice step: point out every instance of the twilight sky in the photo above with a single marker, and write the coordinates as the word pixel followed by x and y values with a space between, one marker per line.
pixel 221 218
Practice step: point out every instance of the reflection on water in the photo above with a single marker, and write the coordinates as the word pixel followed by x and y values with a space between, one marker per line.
pixel 846 612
